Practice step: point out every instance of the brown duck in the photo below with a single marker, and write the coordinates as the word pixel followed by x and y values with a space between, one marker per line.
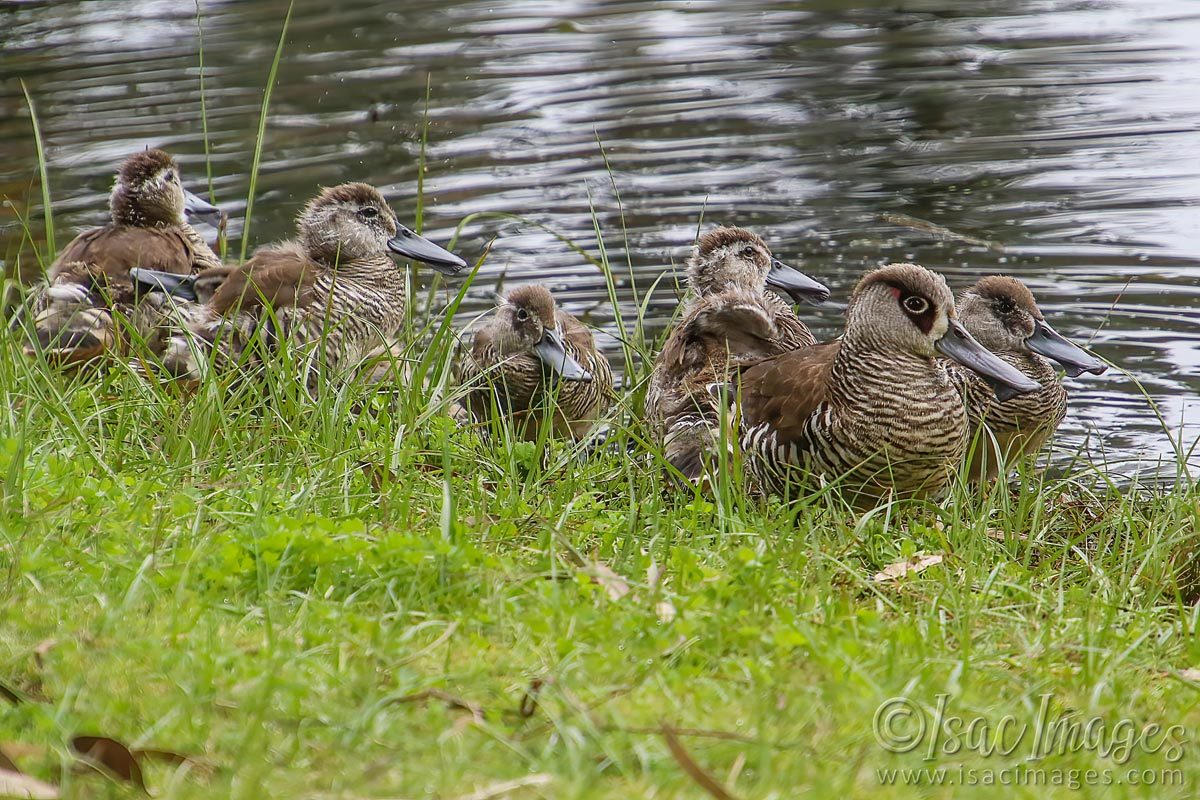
pixel 333 293
pixel 1001 313
pixel 534 360
pixel 877 412
pixel 728 275
pixel 72 312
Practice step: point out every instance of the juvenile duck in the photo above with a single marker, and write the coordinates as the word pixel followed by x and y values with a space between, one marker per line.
pixel 1001 313
pixel 736 265
pixel 333 291
pixel 533 358
pixel 72 312
pixel 877 410
pixel 733 326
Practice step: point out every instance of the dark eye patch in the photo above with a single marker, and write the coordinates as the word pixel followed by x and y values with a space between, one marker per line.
pixel 917 308
pixel 368 212
pixel 522 315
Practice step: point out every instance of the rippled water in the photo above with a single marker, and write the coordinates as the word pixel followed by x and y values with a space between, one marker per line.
pixel 1067 132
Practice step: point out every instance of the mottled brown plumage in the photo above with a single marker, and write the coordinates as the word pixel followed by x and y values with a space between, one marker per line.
pixel 532 361
pixel 334 294
pixel 724 328
pixel 728 310
pixel 1002 314
pixel 72 312
pixel 877 412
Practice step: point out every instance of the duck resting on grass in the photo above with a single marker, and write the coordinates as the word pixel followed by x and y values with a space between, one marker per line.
pixel 729 317
pixel 333 294
pixel 71 315
pixel 532 361
pixel 877 412
pixel 1001 313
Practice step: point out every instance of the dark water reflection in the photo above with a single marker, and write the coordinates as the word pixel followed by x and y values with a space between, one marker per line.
pixel 1065 131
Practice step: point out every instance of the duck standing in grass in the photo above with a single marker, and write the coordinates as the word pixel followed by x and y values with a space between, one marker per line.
pixel 1001 313
pixel 877 412
pixel 730 317
pixel 534 360
pixel 333 293
pixel 72 313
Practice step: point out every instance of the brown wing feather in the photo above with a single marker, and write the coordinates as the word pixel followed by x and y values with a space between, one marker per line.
pixel 115 249
pixel 783 391
pixel 279 276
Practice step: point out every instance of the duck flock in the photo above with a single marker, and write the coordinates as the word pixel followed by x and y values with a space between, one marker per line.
pixel 918 388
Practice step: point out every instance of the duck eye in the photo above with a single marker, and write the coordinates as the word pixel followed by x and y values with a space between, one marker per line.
pixel 368 212
pixel 747 252
pixel 916 305
pixel 1005 306
pixel 522 315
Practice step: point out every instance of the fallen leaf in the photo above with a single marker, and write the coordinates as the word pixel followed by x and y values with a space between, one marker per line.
pixel 171 757
pixel 111 756
pixel 503 788
pixel 40 652
pixel 16 784
pixel 694 771
pixel 614 585
pixel 918 563
pixel 654 574
pixel 529 701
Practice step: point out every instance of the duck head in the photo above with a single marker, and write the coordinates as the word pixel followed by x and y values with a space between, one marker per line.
pixel 149 192
pixel 908 308
pixel 526 323
pixel 1001 313
pixel 735 258
pixel 353 222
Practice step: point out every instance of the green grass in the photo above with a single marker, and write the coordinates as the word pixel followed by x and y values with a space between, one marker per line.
pixel 267 582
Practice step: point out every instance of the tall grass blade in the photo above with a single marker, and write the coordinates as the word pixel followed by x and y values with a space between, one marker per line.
pixel 47 212
pixel 262 130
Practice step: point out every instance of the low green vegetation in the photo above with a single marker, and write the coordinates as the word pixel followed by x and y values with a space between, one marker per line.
pixel 354 597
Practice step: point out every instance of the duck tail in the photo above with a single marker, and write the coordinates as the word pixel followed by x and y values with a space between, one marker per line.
pixel 68 320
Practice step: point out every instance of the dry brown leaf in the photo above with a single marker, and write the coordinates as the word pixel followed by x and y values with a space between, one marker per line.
pixel 16 784
pixel 111 756
pixel 694 771
pixel 40 652
pixel 614 585
pixel 171 757
pixel 504 788
pixel 918 563
pixel 529 702
pixel 6 763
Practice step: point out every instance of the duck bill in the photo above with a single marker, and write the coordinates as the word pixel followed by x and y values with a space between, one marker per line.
pixel 409 245
pixel 196 206
pixel 799 287
pixel 1053 345
pixel 552 351
pixel 1006 380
